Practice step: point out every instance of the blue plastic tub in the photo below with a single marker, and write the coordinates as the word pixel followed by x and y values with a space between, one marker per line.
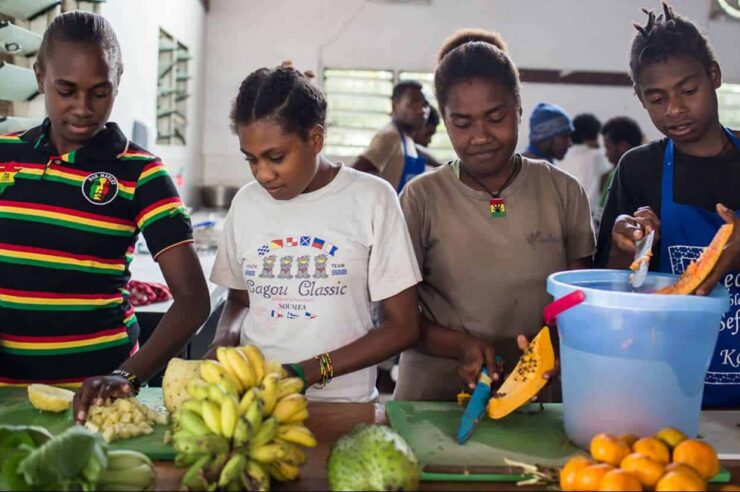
pixel 633 362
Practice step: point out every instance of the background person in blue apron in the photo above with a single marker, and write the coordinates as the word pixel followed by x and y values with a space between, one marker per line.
pixel 392 154
pixel 684 186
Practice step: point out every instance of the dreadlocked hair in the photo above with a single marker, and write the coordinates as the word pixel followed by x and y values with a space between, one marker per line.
pixel 282 93
pixel 470 54
pixel 665 36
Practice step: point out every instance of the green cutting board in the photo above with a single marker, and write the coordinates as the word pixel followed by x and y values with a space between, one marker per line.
pixel 15 409
pixel 527 436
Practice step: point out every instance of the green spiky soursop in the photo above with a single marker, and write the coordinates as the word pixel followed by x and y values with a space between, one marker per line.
pixel 372 457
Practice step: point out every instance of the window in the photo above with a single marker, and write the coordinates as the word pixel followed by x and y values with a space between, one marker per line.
pixel 172 90
pixel 359 104
pixel 728 97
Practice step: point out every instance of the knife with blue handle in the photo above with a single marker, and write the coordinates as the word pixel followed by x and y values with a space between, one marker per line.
pixel 476 407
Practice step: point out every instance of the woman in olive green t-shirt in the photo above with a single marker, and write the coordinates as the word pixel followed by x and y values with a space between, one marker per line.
pixel 487 229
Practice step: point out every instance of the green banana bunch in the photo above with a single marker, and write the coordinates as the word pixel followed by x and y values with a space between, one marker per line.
pixel 243 424
pixel 253 415
pixel 194 479
pixel 127 470
pixel 266 433
pixel 232 470
pixel 210 444
pixel 192 422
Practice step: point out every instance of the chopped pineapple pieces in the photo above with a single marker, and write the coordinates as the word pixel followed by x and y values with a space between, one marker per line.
pixel 122 419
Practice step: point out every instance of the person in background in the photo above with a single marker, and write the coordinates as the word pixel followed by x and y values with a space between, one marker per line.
pixel 309 246
pixel 392 153
pixel 487 228
pixel 423 137
pixel 620 134
pixel 75 196
pixel 685 186
pixel 585 160
pixel 550 128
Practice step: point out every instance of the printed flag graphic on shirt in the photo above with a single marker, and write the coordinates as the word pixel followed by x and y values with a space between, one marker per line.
pixel 305 240
pixel 276 244
pixel 498 207
pixel 291 242
pixel 330 248
pixel 263 250
pixel 318 243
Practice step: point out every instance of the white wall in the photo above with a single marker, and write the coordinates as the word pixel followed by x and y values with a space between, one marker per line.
pixel 137 24
pixel 566 34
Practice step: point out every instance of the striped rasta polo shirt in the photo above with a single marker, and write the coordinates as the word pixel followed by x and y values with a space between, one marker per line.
pixel 68 227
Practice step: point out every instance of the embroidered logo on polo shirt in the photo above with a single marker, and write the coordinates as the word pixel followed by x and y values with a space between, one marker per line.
pixel 7 176
pixel 100 188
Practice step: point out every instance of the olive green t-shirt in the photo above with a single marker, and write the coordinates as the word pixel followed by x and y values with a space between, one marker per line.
pixel 486 275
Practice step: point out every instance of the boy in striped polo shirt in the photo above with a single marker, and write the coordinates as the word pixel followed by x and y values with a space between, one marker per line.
pixel 74 195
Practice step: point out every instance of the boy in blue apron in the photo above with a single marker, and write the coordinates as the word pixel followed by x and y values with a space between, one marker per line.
pixel 684 186
pixel 392 154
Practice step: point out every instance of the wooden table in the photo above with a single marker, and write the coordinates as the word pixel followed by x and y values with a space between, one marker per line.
pixel 329 421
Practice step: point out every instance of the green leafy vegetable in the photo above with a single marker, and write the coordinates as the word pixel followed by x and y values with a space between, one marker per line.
pixel 16 443
pixel 10 478
pixel 73 460
pixel 12 436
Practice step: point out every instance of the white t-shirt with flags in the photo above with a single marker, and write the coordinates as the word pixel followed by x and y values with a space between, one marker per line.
pixel 313 266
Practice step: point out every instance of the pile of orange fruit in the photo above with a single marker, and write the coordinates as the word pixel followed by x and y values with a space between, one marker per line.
pixel 665 461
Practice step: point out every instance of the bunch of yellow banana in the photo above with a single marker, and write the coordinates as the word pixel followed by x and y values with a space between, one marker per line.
pixel 242 424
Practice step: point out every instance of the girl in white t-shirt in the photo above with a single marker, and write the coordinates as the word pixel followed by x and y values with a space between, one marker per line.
pixel 309 246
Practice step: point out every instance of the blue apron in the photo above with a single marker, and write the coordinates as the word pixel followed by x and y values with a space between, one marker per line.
pixel 412 166
pixel 684 232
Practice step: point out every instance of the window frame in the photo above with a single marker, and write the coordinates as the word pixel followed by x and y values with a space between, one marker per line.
pixel 352 150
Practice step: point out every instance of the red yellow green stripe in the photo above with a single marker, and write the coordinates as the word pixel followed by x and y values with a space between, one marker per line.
pixel 49 258
pixel 29 170
pixel 52 301
pixel 11 138
pixel 69 157
pixel 152 171
pixel 129 318
pixel 69 176
pixel 64 217
pixel 63 345
pixel 136 155
pixel 159 210
pixel 20 383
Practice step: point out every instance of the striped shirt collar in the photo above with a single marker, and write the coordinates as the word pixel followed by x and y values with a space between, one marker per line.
pixel 107 144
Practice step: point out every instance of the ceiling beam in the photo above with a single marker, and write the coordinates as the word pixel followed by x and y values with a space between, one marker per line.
pixel 577 77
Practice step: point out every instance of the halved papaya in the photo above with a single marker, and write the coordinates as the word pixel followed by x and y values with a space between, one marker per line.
pixel 526 380
pixel 698 271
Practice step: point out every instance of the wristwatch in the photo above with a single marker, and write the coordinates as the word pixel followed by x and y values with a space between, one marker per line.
pixel 130 377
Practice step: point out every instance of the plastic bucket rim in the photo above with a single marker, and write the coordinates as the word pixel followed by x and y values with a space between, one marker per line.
pixel 558 285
